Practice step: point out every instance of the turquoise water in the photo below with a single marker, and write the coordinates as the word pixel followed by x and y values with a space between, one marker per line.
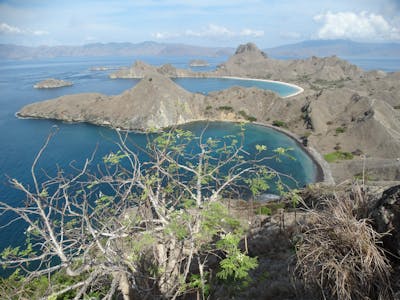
pixel 22 139
pixel 207 85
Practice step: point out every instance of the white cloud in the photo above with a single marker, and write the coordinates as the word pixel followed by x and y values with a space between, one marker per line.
pixel 8 29
pixel 364 25
pixel 13 30
pixel 211 31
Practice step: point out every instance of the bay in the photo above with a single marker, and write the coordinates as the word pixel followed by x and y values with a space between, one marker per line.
pixel 22 139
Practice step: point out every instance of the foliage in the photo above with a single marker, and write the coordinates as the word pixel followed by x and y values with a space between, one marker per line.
pixel 340 130
pixel 138 227
pixel 226 108
pixel 264 210
pixel 236 265
pixel 338 155
pixel 246 116
pixel 279 123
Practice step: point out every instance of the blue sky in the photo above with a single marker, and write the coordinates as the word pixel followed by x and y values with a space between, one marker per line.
pixel 268 23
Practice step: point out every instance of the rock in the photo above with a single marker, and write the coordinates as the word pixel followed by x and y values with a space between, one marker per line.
pixel 249 47
pixel 386 217
pixel 155 102
pixel 52 83
pixel 140 69
pixel 357 152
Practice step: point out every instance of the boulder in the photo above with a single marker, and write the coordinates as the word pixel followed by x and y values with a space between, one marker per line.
pixel 386 217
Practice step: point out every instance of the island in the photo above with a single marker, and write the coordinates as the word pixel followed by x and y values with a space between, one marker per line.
pixel 350 116
pixel 52 83
pixel 198 63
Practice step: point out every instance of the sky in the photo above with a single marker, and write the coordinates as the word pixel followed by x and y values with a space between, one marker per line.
pixel 267 23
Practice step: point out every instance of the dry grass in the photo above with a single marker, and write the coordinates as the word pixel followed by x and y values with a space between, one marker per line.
pixel 340 253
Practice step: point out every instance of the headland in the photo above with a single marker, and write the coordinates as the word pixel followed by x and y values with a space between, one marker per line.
pixel 350 116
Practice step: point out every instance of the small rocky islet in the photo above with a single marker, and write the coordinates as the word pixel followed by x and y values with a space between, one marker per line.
pixel 343 111
pixel 52 83
pixel 198 63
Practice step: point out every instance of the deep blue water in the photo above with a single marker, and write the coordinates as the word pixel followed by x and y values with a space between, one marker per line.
pixel 22 139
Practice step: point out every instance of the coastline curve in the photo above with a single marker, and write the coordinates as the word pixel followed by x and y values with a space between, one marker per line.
pixel 298 88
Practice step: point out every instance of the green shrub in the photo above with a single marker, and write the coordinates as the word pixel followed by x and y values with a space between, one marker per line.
pixel 338 155
pixel 340 130
pixel 225 107
pixel 246 116
pixel 263 210
pixel 279 123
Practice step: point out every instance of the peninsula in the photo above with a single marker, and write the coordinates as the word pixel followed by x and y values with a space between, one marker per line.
pixel 349 115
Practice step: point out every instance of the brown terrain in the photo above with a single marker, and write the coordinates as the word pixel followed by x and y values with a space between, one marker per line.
pixel 342 108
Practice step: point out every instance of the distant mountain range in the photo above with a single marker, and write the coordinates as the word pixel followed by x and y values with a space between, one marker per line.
pixel 343 48
pixel 321 48
pixel 8 51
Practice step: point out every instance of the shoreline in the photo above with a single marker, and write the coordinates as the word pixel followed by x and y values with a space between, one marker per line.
pixel 299 88
pixel 298 91
pixel 322 170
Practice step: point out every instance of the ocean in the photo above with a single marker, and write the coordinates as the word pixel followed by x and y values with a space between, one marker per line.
pixel 73 143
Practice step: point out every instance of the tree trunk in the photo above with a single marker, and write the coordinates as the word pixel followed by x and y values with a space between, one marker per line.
pixel 124 286
pixel 168 257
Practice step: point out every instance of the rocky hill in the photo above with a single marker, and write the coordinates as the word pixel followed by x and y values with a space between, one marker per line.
pixel 249 61
pixel 351 116
pixel 155 102
pixel 140 69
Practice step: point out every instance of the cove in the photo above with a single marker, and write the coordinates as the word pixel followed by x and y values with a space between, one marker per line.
pixel 207 85
pixel 22 139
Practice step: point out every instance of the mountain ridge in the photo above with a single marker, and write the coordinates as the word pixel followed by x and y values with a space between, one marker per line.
pixel 307 48
pixel 340 47
pixel 147 48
